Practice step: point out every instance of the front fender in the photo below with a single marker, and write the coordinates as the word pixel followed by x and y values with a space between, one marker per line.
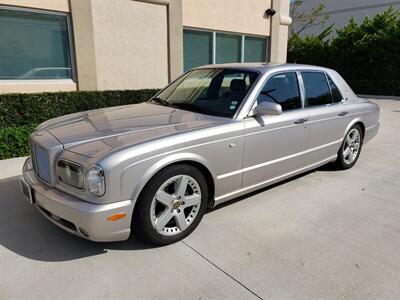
pixel 155 166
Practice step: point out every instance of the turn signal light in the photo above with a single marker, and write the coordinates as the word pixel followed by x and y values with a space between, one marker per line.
pixel 116 217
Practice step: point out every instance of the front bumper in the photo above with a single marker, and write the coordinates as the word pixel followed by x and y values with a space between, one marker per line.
pixel 76 216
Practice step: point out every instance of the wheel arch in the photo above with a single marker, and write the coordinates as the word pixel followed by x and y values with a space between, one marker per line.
pixel 353 122
pixel 180 158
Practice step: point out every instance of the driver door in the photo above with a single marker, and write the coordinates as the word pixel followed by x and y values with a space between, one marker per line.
pixel 275 145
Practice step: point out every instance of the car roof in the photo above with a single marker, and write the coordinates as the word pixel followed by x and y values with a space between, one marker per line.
pixel 263 67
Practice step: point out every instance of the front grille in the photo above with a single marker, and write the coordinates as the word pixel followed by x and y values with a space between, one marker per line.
pixel 41 162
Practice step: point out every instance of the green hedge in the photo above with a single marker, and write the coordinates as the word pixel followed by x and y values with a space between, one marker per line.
pixel 375 87
pixel 21 113
pixel 366 54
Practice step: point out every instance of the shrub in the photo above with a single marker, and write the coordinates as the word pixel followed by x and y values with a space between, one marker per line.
pixel 366 55
pixel 21 113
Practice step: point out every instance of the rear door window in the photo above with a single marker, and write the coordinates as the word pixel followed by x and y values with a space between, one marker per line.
pixel 317 91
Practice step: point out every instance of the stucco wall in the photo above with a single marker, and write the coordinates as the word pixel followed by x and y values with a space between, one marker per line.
pixel 243 16
pixel 131 44
pixel 58 5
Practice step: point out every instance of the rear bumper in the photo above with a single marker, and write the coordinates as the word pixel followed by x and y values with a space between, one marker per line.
pixel 371 132
pixel 78 217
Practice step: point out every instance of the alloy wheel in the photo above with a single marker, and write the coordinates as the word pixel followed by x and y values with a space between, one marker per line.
pixel 351 146
pixel 175 205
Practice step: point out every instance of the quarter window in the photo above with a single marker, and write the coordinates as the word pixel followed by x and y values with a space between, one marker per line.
pixel 336 95
pixel 34 45
pixel 316 89
pixel 282 89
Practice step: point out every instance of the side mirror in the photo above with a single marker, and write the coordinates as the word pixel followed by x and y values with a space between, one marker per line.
pixel 267 109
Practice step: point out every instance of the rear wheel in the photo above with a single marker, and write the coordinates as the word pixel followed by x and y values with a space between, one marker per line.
pixel 171 205
pixel 351 148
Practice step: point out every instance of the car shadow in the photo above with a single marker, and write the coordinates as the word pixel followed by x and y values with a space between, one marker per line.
pixel 24 231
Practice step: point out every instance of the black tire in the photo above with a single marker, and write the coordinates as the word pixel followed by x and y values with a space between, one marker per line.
pixel 142 220
pixel 341 161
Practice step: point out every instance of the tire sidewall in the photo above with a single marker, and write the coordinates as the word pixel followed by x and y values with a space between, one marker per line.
pixel 141 218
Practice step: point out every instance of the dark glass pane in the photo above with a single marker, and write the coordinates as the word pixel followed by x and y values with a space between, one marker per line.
pixel 33 46
pixel 336 94
pixel 228 48
pixel 255 49
pixel 316 88
pixel 283 89
pixel 197 48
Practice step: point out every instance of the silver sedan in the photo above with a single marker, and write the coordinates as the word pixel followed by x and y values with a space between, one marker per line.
pixel 215 133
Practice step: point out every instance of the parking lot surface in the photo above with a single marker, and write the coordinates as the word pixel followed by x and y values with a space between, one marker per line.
pixel 326 234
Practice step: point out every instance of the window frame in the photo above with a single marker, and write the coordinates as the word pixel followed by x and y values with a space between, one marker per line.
pixel 242 43
pixel 71 46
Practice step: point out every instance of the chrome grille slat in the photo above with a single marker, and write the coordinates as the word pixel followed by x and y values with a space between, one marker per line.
pixel 41 162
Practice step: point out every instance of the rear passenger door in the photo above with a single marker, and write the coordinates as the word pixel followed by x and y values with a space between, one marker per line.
pixel 326 114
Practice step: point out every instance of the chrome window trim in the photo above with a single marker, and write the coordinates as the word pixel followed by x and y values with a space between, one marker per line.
pixel 71 45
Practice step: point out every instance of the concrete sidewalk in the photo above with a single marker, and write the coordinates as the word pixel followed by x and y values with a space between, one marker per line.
pixel 11 167
pixel 326 234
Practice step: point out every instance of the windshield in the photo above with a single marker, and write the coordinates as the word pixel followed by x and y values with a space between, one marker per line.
pixel 210 91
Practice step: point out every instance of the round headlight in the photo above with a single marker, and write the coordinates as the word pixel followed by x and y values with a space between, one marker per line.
pixel 95 180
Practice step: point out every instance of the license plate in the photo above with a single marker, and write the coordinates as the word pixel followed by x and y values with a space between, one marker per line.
pixel 27 191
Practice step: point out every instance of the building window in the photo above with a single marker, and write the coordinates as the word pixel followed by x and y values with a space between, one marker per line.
pixel 197 48
pixel 203 47
pixel 34 45
pixel 255 49
pixel 228 48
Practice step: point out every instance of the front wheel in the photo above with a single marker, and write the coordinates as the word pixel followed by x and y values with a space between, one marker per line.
pixel 351 148
pixel 171 205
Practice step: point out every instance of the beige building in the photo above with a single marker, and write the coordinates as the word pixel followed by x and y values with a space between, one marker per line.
pixel 67 45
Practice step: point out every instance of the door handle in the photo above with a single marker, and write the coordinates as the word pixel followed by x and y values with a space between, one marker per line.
pixel 343 113
pixel 301 121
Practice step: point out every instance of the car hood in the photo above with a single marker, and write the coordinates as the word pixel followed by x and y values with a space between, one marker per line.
pixel 96 132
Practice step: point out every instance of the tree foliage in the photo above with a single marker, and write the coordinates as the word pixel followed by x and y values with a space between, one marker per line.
pixel 302 20
pixel 369 51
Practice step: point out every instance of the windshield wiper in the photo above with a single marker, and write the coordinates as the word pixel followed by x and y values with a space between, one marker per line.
pixel 194 108
pixel 160 101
